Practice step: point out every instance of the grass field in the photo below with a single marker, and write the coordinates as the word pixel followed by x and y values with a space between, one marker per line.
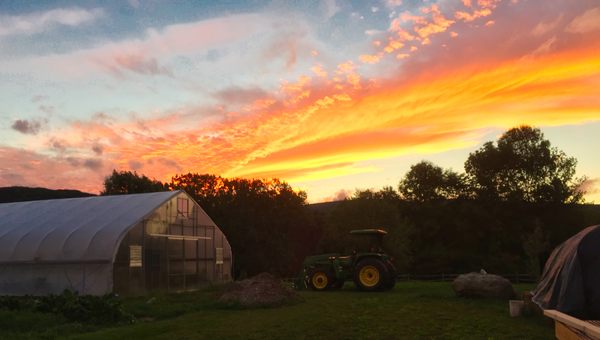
pixel 411 310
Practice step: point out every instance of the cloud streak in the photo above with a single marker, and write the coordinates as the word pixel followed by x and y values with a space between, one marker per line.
pixel 38 22
pixel 585 23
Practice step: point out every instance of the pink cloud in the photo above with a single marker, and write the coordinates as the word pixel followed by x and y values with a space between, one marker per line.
pixel 138 64
pixel 238 95
pixel 147 55
pixel 27 168
pixel 339 195
pixel 545 27
pixel 586 22
pixel 591 186
pixel 289 46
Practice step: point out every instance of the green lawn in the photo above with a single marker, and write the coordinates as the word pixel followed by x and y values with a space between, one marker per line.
pixel 411 310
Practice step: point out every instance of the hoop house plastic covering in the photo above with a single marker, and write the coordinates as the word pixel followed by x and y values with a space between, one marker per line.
pixel 128 244
pixel 571 279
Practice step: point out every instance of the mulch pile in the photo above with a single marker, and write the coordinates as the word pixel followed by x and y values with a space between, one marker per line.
pixel 262 290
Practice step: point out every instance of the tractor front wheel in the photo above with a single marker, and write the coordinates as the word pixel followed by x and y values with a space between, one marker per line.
pixel 319 279
pixel 370 275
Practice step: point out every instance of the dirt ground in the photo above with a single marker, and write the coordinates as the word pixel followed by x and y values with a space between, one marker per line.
pixel 262 290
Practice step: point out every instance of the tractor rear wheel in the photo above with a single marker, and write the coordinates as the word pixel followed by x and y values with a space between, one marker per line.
pixel 319 279
pixel 370 275
pixel 391 276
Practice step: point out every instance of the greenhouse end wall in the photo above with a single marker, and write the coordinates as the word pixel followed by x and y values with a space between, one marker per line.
pixel 176 248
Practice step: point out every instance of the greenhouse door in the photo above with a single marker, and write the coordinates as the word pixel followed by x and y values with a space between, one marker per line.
pixel 155 277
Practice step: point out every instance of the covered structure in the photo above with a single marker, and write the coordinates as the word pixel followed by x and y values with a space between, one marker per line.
pixel 127 244
pixel 570 282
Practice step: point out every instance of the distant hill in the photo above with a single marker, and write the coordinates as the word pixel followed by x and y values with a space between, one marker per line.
pixel 21 194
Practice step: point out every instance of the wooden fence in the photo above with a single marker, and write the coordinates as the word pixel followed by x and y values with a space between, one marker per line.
pixel 514 278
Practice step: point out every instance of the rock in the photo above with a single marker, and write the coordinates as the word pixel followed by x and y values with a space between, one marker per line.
pixel 262 290
pixel 483 285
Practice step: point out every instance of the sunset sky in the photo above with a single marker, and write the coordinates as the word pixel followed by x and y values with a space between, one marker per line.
pixel 329 96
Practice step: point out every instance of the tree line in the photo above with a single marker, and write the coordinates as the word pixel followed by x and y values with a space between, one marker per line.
pixel 516 199
pixel 521 166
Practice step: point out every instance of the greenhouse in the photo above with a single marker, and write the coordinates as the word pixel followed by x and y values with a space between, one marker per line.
pixel 126 244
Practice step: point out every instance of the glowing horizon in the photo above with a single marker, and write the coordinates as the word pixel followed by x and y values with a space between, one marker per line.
pixel 306 101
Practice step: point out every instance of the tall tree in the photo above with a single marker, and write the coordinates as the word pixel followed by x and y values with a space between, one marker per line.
pixel 426 181
pixel 523 166
pixel 127 182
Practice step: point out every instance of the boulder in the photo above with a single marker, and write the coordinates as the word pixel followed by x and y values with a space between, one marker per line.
pixel 483 285
pixel 262 290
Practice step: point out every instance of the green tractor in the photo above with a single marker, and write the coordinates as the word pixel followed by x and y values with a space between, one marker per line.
pixel 368 265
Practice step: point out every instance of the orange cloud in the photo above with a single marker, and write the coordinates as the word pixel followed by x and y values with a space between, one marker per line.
pixel 435 114
pixel 432 22
pixel 464 16
pixel 438 23
pixel 369 59
pixel 393 45
pixel 348 69
pixel 319 71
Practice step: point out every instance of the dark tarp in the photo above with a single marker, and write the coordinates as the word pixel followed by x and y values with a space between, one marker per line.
pixel 571 279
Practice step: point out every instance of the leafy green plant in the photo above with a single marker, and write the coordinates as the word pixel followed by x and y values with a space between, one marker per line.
pixel 84 308
pixel 10 303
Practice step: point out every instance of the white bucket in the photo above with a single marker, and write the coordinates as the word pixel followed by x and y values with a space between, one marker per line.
pixel 515 307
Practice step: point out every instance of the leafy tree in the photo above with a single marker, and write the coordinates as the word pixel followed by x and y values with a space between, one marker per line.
pixel 386 193
pixel 426 181
pixel 127 182
pixel 266 222
pixel 523 166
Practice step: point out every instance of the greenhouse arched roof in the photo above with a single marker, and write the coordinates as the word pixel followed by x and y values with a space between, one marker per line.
pixel 72 230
